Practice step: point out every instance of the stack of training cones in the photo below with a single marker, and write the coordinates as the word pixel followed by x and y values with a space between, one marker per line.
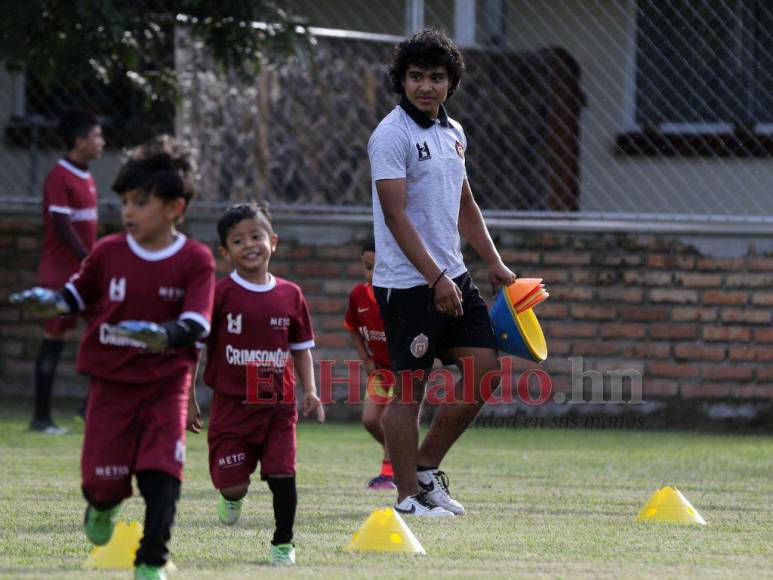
pixel 384 531
pixel 120 551
pixel 670 506
pixel 516 328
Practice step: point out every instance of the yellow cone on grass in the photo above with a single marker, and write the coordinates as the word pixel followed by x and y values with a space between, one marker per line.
pixel 669 505
pixel 120 551
pixel 384 531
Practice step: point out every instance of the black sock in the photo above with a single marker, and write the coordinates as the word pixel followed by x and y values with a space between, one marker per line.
pixel 285 502
pixel 161 492
pixel 45 369
pixel 425 468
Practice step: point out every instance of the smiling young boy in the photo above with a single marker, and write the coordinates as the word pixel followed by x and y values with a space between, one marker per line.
pixel 151 292
pixel 262 321
pixel 366 330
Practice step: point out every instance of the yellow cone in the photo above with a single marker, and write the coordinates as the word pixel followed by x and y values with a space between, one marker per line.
pixel 119 552
pixel 669 505
pixel 384 531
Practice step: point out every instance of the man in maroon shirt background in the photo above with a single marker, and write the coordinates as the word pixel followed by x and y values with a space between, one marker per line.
pixel 69 231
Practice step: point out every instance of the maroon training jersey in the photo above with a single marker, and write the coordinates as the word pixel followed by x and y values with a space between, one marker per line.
pixel 255 324
pixel 70 191
pixel 119 281
pixel 364 315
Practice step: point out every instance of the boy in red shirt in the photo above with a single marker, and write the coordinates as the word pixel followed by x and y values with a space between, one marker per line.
pixel 69 231
pixel 260 321
pixel 366 328
pixel 151 294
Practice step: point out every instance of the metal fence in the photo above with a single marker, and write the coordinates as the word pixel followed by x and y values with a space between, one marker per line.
pixel 644 109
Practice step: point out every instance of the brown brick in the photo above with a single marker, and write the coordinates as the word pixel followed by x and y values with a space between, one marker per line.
pixel 760 264
pixel 354 270
pixel 27 243
pixel 725 297
pixel 756 352
pixel 690 313
pixel 623 330
pixel 553 310
pixel 618 260
pixel 10 314
pixel 559 347
pixel 645 313
pixel 749 280
pixel 674 331
pixel 320 269
pixel 346 252
pixel 595 348
pixel 567 258
pixel 298 252
pixel 570 293
pixel 746 315
pixel 329 323
pixel 327 305
pixel 727 373
pixel 762 298
pixel 514 258
pixel 671 369
pixel 695 280
pixel 703 391
pixel 656 388
pixel 763 334
pixel 648 278
pixel 765 373
pixel 700 352
pixel 332 340
pixel 726 333
pixel 723 264
pixel 671 262
pixel 589 312
pixel 674 296
pixel 753 391
pixel 648 349
pixel 336 286
pixel 283 270
pixel 550 277
pixel 572 329
pixel 616 294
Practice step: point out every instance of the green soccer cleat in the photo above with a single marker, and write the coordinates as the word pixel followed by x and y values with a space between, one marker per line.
pixel 99 524
pixel 283 555
pixel 146 572
pixel 229 510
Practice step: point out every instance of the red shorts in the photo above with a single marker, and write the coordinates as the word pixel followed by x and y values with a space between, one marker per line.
pixel 132 428
pixel 242 435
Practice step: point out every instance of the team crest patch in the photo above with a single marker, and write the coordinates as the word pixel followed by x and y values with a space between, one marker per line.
pixel 419 345
pixel 460 150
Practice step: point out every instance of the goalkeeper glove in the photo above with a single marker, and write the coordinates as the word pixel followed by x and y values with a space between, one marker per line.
pixel 41 302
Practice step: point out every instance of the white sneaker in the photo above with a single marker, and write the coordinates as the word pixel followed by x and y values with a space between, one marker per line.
pixel 435 484
pixel 421 505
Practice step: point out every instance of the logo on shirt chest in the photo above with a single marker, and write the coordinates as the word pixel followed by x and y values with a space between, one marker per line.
pixel 234 323
pixel 423 150
pixel 170 294
pixel 460 150
pixel 280 322
pixel 117 289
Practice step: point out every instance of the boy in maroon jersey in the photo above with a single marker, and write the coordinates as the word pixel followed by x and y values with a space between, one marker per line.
pixel 262 321
pixel 69 231
pixel 151 293
pixel 366 328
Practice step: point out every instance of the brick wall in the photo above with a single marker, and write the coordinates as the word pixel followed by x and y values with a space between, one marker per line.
pixel 691 313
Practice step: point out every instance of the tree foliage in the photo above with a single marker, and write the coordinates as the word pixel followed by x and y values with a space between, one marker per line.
pixel 78 39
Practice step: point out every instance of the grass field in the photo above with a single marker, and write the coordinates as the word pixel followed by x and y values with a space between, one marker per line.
pixel 544 503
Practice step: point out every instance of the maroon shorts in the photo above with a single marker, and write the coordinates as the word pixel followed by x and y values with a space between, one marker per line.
pixel 130 428
pixel 242 435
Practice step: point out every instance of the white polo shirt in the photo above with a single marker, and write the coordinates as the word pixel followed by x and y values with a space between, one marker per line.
pixel 429 155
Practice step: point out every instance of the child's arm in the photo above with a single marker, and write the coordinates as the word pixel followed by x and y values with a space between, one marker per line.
pixel 304 366
pixel 193 419
pixel 362 351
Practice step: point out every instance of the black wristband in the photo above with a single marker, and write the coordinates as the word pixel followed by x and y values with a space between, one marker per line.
pixel 443 273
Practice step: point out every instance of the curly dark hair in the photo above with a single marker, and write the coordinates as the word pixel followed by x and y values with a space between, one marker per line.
pixel 426 49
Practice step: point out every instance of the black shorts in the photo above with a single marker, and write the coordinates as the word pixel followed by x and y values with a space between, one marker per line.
pixel 417 333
